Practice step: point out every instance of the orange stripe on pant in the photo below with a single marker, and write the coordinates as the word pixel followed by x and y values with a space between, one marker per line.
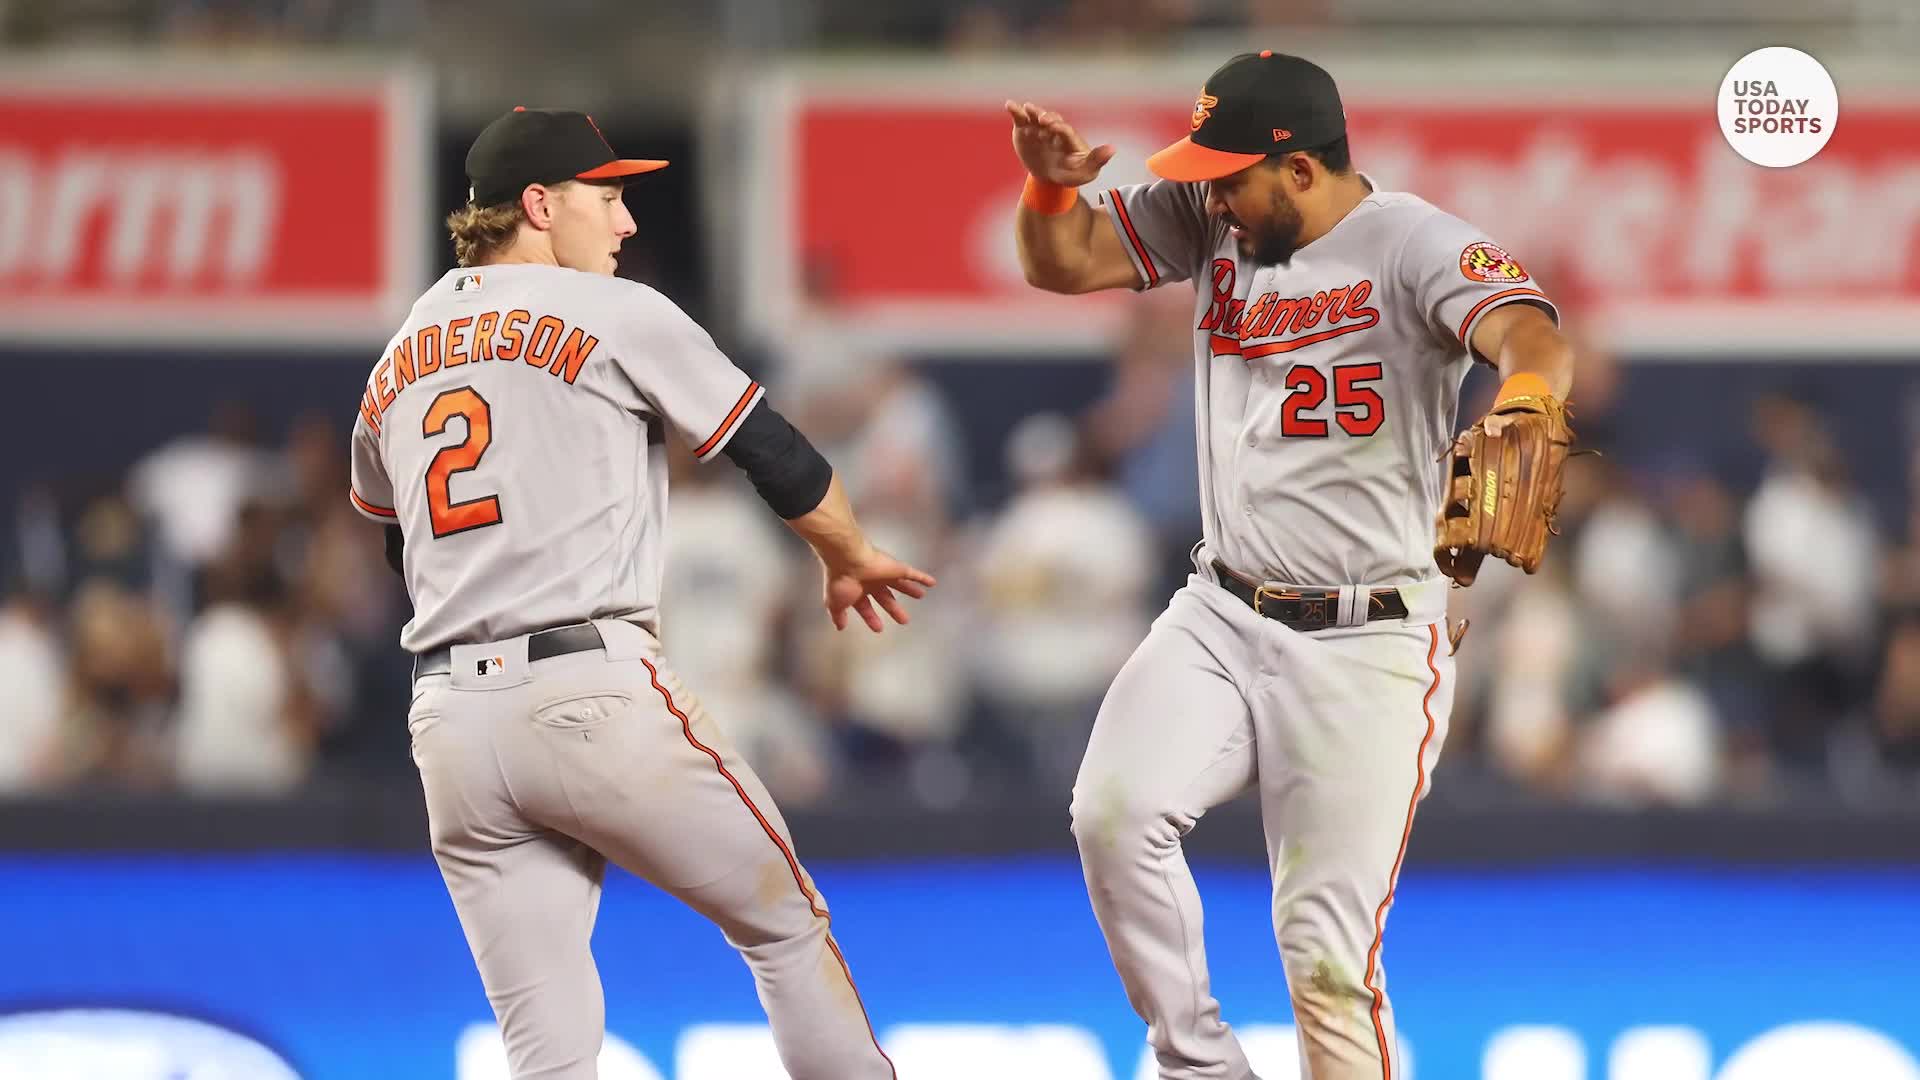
pixel 1380 913
pixel 793 864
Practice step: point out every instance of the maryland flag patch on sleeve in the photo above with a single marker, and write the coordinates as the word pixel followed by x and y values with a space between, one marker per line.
pixel 1487 262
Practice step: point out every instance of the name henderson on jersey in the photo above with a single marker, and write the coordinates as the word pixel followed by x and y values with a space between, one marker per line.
pixel 546 343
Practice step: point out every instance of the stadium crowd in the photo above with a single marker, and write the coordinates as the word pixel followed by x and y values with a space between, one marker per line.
pixel 219 619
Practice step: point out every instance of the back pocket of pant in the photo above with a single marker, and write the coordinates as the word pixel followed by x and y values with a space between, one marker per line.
pixel 583 711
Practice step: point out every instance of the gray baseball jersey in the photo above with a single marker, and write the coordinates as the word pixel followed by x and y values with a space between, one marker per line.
pixel 513 428
pixel 1326 392
pixel 1326 388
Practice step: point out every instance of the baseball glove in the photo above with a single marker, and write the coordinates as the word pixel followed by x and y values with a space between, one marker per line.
pixel 1503 488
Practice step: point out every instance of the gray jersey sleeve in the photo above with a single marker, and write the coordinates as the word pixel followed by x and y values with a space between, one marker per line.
pixel 1163 226
pixel 1456 276
pixel 371 489
pixel 683 376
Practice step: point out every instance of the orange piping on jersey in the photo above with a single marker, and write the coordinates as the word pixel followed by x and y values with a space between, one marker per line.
pixel 377 511
pixel 1467 323
pixel 1380 913
pixel 1140 249
pixel 726 425
pixel 793 864
pixel 1223 345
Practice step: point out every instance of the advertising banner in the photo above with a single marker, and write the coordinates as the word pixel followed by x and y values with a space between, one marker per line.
pixel 156 205
pixel 884 205
pixel 324 967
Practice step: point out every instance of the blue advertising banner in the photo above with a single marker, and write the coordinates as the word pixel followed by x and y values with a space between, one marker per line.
pixel 323 967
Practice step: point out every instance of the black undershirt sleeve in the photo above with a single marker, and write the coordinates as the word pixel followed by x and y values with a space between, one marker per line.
pixel 786 470
pixel 395 545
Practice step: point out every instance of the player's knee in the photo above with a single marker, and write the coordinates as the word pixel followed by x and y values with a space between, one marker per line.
pixel 1107 823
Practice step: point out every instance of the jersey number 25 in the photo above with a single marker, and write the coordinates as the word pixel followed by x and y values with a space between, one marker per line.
pixel 1358 409
pixel 451 517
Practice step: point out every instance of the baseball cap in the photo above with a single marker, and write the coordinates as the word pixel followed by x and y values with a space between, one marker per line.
pixel 542 146
pixel 1255 104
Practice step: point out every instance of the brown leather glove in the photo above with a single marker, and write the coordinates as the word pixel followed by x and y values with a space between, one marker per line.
pixel 1503 489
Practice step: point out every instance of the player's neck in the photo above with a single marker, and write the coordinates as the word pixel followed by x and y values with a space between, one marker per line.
pixel 1347 192
pixel 526 252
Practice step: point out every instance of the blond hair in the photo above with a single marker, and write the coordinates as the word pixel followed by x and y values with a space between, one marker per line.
pixel 482 232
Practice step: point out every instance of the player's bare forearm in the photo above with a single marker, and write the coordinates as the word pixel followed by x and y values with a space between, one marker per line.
pixel 831 530
pixel 1523 340
pixel 1055 248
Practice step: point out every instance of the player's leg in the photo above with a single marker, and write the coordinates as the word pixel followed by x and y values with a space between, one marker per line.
pixel 1172 740
pixel 651 781
pixel 1351 724
pixel 526 896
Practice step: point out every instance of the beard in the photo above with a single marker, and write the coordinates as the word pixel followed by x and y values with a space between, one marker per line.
pixel 1273 241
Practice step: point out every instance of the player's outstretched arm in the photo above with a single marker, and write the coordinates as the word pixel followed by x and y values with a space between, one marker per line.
pixel 1522 340
pixel 800 486
pixel 1065 245
pixel 858 575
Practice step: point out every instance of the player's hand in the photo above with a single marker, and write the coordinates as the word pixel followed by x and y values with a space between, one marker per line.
pixel 872 579
pixel 1050 148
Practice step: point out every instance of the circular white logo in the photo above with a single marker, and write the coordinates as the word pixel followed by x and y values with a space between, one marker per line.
pixel 1778 106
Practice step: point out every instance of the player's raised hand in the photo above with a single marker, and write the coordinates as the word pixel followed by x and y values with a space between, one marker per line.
pixel 1050 148
pixel 873 578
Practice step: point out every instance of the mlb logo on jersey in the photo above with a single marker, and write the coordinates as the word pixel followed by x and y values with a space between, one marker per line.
pixel 490 665
pixel 467 283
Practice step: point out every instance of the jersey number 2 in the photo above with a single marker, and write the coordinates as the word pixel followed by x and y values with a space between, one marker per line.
pixel 451 517
pixel 1357 408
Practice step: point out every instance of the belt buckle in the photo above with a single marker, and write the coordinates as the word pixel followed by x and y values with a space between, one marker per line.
pixel 1314 612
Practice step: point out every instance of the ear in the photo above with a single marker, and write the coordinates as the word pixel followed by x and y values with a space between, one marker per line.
pixel 1302 171
pixel 537 202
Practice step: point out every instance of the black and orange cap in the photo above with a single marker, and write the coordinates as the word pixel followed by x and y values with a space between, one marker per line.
pixel 1256 104
pixel 542 146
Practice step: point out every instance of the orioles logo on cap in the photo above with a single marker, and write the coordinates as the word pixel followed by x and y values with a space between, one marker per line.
pixel 1203 108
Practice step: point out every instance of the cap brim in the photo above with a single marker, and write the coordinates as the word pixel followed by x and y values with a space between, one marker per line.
pixel 621 167
pixel 1190 162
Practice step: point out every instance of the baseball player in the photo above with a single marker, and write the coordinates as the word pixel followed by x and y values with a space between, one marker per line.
pixel 1332 327
pixel 512 438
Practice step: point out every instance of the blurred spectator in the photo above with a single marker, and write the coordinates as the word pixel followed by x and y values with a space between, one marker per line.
pixel 1655 742
pixel 1142 434
pixel 1624 567
pixel 729 573
pixel 246 722
pixel 1062 578
pixel 1815 560
pixel 191 489
pixel 117 727
pixel 32 695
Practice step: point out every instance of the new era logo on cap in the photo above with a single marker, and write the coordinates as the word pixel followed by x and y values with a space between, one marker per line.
pixel 491 665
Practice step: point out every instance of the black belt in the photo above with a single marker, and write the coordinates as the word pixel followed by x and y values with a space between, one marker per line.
pixel 541 645
pixel 1305 609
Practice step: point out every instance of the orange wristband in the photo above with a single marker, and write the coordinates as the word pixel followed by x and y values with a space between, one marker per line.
pixel 1048 199
pixel 1524 384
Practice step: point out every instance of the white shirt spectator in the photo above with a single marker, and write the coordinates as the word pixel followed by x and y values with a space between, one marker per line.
pixel 235 692
pixel 1659 744
pixel 1063 576
pixel 193 488
pixel 32 688
pixel 1815 558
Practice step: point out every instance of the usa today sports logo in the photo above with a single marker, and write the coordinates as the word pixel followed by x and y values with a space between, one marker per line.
pixel 1778 106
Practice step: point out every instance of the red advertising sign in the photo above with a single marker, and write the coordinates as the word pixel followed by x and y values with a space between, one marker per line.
pixel 279 207
pixel 895 212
